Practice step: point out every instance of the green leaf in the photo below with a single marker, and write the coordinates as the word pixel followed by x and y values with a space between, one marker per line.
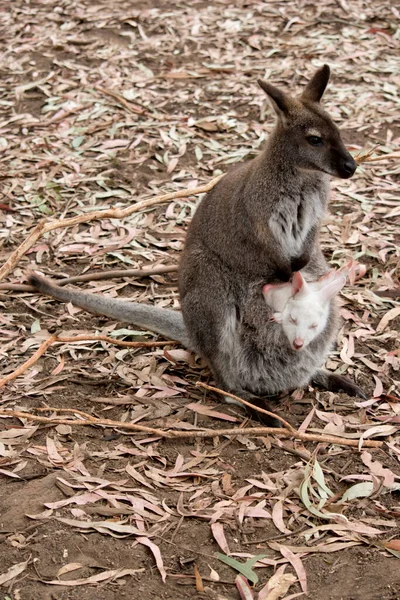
pixel 360 490
pixel 244 568
pixel 318 475
pixel 130 333
pixel 35 327
pixel 76 142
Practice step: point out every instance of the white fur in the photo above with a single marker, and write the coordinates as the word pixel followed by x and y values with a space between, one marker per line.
pixel 303 308
pixel 313 211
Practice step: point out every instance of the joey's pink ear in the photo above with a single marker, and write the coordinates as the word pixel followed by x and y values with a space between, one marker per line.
pixel 299 286
pixel 331 288
pixel 267 288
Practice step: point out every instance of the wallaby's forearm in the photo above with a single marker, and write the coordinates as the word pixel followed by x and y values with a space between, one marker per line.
pixel 168 323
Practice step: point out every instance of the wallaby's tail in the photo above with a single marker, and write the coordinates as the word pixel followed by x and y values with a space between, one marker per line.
pixel 160 320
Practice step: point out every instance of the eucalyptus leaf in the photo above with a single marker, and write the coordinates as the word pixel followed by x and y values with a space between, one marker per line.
pixel 244 568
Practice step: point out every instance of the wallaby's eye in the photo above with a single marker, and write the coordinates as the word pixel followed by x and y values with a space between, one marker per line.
pixel 313 326
pixel 315 140
pixel 293 320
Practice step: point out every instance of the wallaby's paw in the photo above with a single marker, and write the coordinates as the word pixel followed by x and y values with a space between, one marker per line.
pixel 339 383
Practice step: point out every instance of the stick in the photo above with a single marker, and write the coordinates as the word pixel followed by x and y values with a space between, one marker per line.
pixel 249 404
pixel 111 213
pixel 99 276
pixel 209 433
pixel 79 338
pixel 362 158
pixel 90 421
pixel 31 361
pixel 106 338
pixel 382 157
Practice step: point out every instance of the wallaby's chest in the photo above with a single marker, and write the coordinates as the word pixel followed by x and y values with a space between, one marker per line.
pixel 294 216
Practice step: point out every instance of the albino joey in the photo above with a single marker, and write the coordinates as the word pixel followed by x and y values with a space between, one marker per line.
pixel 301 308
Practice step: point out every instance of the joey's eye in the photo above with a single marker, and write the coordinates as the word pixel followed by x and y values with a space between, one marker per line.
pixel 315 140
pixel 293 320
pixel 313 326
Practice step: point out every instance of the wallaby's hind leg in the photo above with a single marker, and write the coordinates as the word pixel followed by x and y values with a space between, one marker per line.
pixel 253 413
pixel 338 383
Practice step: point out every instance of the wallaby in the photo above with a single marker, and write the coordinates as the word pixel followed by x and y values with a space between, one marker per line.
pixel 301 308
pixel 259 224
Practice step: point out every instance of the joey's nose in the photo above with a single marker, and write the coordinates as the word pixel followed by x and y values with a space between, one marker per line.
pixel 298 343
pixel 348 167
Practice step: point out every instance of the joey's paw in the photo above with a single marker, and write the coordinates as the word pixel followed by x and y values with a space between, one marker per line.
pixel 339 383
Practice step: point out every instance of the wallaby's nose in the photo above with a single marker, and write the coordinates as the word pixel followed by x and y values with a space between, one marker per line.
pixel 298 343
pixel 349 167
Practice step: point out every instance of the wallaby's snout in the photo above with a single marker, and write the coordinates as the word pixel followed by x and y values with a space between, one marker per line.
pixel 346 166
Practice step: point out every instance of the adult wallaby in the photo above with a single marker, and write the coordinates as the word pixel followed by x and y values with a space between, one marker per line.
pixel 259 224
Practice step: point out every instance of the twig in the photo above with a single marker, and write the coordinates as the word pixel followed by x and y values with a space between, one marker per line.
pixel 121 100
pixel 382 157
pixel 31 361
pixel 78 338
pixel 209 433
pixel 99 276
pixel 249 404
pixel 106 338
pixel 112 213
pixel 90 421
pixel 367 157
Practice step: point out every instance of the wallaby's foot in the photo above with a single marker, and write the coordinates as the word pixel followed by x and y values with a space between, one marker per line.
pixel 256 415
pixel 268 403
pixel 253 413
pixel 338 383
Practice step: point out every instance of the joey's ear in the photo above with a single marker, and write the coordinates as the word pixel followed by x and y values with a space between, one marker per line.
pixel 267 288
pixel 299 286
pixel 316 86
pixel 331 288
pixel 280 101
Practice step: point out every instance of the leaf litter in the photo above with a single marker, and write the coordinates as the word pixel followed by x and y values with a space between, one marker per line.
pixel 107 106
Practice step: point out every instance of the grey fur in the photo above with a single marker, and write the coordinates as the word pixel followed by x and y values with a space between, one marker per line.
pixel 257 225
pixel 160 320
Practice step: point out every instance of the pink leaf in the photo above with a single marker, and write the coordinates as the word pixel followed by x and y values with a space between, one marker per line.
pixel 204 410
pixel 277 517
pixel 296 563
pixel 244 589
pixel 157 555
pixel 219 536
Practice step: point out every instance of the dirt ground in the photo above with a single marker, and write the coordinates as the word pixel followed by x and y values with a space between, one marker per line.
pixel 106 103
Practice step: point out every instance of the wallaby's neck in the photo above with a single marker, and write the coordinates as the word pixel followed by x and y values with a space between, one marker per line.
pixel 276 178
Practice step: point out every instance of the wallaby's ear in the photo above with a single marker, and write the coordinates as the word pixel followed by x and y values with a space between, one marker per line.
pixel 331 288
pixel 279 100
pixel 316 86
pixel 299 286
